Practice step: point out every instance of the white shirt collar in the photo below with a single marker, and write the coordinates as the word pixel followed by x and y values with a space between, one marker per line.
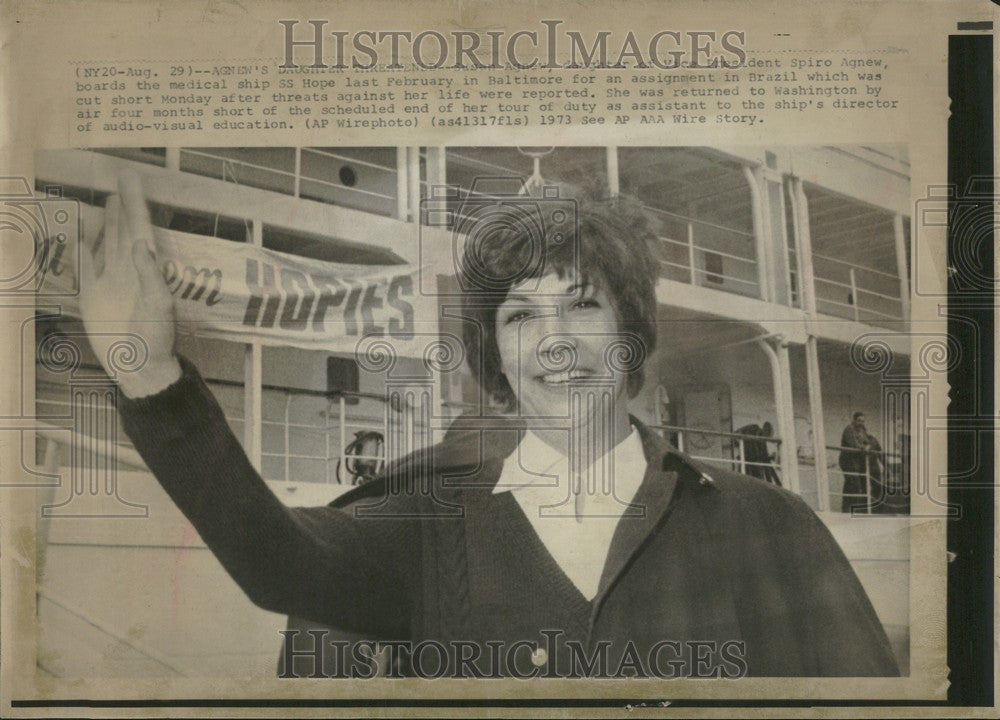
pixel 535 463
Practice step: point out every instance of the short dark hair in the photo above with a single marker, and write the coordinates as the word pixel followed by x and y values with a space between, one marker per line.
pixel 856 415
pixel 610 241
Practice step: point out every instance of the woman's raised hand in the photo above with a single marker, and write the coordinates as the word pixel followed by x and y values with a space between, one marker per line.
pixel 123 296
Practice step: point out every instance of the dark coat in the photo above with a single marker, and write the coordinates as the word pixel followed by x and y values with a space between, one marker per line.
pixel 430 553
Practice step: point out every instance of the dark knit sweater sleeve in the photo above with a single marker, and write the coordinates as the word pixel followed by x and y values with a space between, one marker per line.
pixel 321 563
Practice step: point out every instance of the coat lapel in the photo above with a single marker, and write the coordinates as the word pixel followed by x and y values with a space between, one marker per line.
pixel 651 501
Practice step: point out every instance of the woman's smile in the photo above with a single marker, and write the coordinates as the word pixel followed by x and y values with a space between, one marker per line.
pixel 565 377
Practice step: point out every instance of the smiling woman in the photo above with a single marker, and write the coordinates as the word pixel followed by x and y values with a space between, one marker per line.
pixel 563 318
pixel 600 258
pixel 560 538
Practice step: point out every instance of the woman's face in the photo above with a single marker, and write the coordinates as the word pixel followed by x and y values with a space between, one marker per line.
pixel 555 336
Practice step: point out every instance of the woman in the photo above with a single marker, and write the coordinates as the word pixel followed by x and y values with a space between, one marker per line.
pixel 558 538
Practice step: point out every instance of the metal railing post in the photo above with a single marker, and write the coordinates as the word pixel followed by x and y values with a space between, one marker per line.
pixel 690 244
pixel 297 181
pixel 761 233
pixel 402 177
pixel 868 484
pixel 253 377
pixel 612 168
pixel 288 439
pixel 413 183
pixel 900 240
pixel 343 431
pixel 854 292
pixel 326 442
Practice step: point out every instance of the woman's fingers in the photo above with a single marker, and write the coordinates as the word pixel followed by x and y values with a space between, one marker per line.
pixel 145 263
pixel 87 274
pixel 140 232
pixel 112 233
pixel 136 210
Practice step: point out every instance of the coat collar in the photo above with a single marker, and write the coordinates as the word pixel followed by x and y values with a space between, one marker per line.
pixel 474 451
pixel 478 446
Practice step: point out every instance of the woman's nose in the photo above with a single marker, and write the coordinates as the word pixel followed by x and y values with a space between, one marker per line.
pixel 557 351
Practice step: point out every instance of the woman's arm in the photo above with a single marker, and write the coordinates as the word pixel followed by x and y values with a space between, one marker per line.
pixel 317 563
pixel 320 564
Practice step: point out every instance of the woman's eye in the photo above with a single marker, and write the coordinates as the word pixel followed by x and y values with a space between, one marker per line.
pixel 585 303
pixel 517 316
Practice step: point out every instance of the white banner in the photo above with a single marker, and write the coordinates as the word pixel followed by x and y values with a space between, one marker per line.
pixel 238 292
